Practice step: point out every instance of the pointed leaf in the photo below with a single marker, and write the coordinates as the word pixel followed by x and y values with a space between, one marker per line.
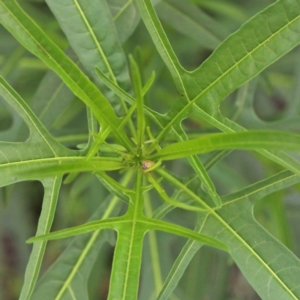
pixel 240 140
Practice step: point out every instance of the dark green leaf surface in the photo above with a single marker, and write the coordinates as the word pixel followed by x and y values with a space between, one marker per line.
pixel 91 33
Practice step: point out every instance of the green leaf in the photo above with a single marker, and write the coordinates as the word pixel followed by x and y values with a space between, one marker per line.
pixel 37 129
pixel 274 274
pixel 249 243
pixel 92 35
pixel 158 118
pixel 51 186
pixel 51 99
pixel 184 258
pixel 239 140
pixel 257 44
pixel 262 188
pixel 200 170
pixel 238 59
pixel 124 279
pixel 166 198
pixel 41 168
pixel 252 193
pixel 161 42
pixel 114 187
pixel 34 39
pixel 178 230
pixel 63 284
pixel 137 84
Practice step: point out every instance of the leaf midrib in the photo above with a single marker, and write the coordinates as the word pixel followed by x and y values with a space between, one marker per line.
pixel 135 212
pixel 122 9
pixel 254 253
pixel 247 246
pixel 57 159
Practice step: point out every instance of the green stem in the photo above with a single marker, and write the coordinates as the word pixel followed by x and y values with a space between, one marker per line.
pixel 183 187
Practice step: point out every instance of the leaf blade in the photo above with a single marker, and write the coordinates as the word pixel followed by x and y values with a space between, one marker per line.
pixel 52 186
pixel 240 140
pixel 90 30
pixel 35 40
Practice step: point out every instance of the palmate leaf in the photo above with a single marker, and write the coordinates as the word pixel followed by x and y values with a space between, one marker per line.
pixel 41 155
pixel 19 162
pixel 208 109
pixel 233 224
pixel 215 91
pixel 218 76
pixel 79 256
pixel 280 22
pixel 131 230
pixel 40 145
pixel 160 120
pixel 258 43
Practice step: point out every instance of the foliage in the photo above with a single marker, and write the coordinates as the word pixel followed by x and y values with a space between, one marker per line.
pixel 95 117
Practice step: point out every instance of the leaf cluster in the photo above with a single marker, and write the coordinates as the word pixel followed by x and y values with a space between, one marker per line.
pixel 146 145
